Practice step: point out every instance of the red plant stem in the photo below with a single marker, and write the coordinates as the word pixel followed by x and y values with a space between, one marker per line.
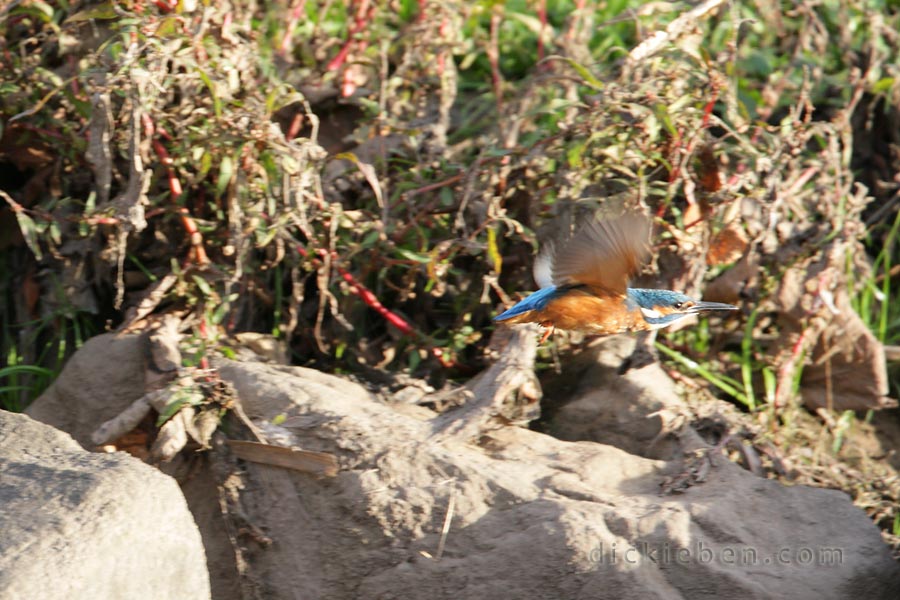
pixel 200 50
pixel 348 84
pixel 707 110
pixel 198 252
pixel 431 187
pixel 373 302
pixel 73 64
pixel 294 18
pixel 359 23
pixel 147 122
pixel 175 189
pixel 296 124
pixel 40 130
pixel 367 296
pixel 166 6
pixel 443 36
pixel 102 221
pixel 573 23
pixel 204 332
pixel 336 62
pixel 704 124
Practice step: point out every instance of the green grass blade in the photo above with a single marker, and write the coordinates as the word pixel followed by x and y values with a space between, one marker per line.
pixel 723 382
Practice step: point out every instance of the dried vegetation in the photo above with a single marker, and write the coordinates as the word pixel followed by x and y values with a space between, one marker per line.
pixel 369 182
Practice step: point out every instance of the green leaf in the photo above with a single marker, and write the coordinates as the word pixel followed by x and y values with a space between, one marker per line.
pixel 217 102
pixel 55 233
pixel 50 76
pixel 574 154
pixel 100 11
pixel 169 27
pixel 29 232
pixel 189 396
pixel 410 255
pixel 278 98
pixel 883 85
pixel 16 370
pixel 36 8
pixel 370 239
pixel 219 314
pixel 203 285
pixel 585 74
pixel 841 427
pixel 226 172
pixel 205 161
pixel 368 172
pixel 532 23
pixel 723 382
pixel 446 196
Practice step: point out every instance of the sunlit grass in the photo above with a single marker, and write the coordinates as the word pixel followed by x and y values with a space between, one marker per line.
pixel 49 342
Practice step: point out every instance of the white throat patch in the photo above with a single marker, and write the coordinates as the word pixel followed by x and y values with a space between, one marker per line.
pixel 650 313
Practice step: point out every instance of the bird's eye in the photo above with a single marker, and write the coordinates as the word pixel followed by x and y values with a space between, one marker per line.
pixel 678 305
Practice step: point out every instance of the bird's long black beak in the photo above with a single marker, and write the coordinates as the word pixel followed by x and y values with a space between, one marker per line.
pixel 705 306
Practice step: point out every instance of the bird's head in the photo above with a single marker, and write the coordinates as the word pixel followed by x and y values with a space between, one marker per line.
pixel 661 308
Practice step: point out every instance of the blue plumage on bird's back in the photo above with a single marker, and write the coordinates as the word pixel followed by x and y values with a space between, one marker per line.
pixel 535 301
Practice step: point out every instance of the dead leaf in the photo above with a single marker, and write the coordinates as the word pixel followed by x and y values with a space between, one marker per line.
pixel 368 171
pixel 727 246
pixel 846 368
pixel 136 443
pixel 729 286
pixel 693 213
pixel 306 461
pixel 708 178
pixel 24 149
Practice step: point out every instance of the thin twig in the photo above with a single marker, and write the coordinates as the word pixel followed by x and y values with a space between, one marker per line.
pixel 448 517
pixel 655 42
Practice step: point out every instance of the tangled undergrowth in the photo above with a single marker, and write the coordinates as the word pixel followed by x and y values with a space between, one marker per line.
pixel 368 182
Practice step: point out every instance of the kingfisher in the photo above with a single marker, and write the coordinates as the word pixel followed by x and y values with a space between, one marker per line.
pixel 584 284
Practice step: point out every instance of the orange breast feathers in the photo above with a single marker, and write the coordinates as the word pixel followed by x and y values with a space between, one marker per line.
pixel 580 310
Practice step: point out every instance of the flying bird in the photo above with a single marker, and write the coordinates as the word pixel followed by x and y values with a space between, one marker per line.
pixel 584 284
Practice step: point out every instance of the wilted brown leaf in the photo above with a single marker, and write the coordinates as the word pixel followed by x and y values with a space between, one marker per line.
pixel 708 178
pixel 727 246
pixel 317 463
pixel 846 369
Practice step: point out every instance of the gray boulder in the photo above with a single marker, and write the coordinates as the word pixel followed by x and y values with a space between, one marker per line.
pixel 77 524
pixel 511 513
pixel 531 516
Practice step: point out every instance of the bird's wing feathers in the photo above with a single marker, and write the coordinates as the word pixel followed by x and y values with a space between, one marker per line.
pixel 604 254
pixel 543 266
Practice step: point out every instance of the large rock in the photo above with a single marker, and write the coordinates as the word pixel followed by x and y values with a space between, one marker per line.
pixel 81 525
pixel 533 516
pixel 100 380
pixel 527 515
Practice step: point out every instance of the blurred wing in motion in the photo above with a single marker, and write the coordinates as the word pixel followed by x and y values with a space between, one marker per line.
pixel 604 255
pixel 543 267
